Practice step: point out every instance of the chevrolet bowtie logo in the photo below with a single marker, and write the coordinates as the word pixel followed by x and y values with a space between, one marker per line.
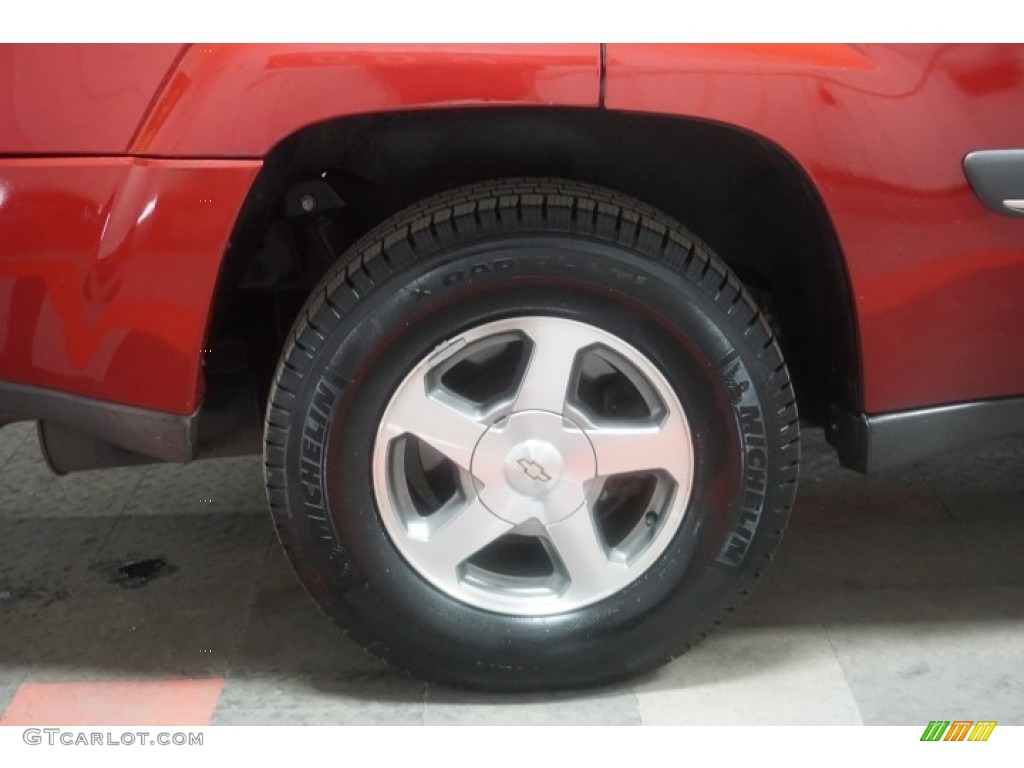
pixel 534 470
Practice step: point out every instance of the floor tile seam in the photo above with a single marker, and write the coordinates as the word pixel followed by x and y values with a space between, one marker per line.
pixel 843 672
pixel 247 614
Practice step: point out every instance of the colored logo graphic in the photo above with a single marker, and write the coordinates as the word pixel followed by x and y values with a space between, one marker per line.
pixel 958 730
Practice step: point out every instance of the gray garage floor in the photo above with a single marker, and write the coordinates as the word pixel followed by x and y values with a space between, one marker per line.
pixel 896 599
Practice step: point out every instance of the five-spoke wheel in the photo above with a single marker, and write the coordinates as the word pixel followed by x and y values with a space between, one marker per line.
pixel 533 465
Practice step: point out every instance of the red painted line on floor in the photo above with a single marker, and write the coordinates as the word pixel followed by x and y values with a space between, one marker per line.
pixel 150 702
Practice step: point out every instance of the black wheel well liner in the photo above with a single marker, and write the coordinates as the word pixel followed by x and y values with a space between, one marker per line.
pixel 745 196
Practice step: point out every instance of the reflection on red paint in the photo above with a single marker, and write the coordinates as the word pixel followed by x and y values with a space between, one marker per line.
pixel 881 130
pixel 83 99
pixel 240 100
pixel 107 270
pixel 107 264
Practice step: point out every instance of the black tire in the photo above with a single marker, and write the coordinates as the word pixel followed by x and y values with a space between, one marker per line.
pixel 500 250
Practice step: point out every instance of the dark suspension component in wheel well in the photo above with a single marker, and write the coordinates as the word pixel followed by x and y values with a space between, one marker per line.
pixel 324 187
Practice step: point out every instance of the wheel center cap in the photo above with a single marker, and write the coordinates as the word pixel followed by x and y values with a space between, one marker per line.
pixel 533 465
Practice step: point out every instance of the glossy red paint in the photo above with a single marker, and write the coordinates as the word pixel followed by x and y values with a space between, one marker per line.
pixel 98 299
pixel 240 100
pixel 77 99
pixel 881 130
pixel 107 267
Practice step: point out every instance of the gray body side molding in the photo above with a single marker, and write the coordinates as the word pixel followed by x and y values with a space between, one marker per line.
pixel 871 443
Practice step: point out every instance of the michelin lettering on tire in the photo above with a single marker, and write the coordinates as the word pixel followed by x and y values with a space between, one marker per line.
pixel 311 467
pixel 752 430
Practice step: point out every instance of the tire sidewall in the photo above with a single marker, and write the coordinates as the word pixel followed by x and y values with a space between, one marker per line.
pixel 338 541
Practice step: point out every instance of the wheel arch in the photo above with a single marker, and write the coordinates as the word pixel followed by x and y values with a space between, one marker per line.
pixel 743 194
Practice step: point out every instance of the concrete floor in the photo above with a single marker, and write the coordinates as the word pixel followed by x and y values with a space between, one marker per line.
pixel 896 599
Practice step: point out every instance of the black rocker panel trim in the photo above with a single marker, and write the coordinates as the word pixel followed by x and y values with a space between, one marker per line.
pixel 871 443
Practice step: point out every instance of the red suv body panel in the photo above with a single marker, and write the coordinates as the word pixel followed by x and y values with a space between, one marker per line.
pixel 78 99
pixel 118 195
pixel 108 264
pixel 240 100
pixel 882 132
pixel 107 270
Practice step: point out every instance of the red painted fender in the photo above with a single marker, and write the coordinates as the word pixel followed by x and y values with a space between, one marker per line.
pixel 108 264
pixel 881 131
pixel 240 100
